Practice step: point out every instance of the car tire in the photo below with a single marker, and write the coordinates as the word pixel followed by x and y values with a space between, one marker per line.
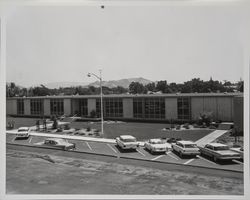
pixel 181 155
pixel 215 159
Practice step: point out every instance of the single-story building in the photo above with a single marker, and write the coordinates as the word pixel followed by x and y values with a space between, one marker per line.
pixel 159 107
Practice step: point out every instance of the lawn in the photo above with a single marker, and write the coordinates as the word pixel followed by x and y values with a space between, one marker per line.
pixel 33 173
pixel 141 131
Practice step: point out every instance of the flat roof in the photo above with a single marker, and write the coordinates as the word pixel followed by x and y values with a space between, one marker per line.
pixel 133 96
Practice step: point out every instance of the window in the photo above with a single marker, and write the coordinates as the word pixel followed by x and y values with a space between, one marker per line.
pixel 138 107
pixel 56 107
pixel 83 107
pixel 152 108
pixel 112 107
pixel 20 106
pixel 36 107
pixel 184 108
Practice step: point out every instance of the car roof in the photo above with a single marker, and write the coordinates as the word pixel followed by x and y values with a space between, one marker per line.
pixel 23 128
pixel 217 144
pixel 127 137
pixel 185 142
pixel 155 140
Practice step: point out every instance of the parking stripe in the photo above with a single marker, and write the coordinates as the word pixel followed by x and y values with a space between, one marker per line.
pixel 89 146
pixel 30 139
pixel 112 148
pixel 189 161
pixel 206 160
pixel 157 157
pixel 169 153
pixel 13 139
pixel 140 152
pixel 236 161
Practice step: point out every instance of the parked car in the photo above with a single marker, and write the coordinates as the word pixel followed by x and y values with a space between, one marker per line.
pixel 239 150
pixel 157 146
pixel 58 143
pixel 218 152
pixel 127 142
pixel 173 140
pixel 23 132
pixel 187 148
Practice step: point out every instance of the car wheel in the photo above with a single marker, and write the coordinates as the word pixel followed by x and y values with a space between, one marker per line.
pixel 151 151
pixel 180 153
pixel 215 159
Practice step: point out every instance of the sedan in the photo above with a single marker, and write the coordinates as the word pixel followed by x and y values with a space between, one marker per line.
pixel 127 142
pixel 23 132
pixel 219 152
pixel 157 146
pixel 58 143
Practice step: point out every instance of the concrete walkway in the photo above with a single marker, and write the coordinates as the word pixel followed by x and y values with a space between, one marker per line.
pixel 72 137
pixel 210 137
pixel 201 142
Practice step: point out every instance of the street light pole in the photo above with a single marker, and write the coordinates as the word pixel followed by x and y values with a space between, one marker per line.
pixel 100 80
pixel 101 100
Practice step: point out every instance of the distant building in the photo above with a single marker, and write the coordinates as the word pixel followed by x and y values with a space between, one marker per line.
pixel 154 107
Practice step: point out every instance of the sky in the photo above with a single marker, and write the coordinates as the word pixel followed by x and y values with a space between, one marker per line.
pixel 175 43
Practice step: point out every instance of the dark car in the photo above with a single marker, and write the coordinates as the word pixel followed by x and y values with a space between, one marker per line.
pixel 173 140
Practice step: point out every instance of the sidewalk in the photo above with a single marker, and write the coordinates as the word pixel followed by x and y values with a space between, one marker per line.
pixel 210 137
pixel 72 137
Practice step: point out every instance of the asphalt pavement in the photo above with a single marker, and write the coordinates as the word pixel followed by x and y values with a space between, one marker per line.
pixel 111 149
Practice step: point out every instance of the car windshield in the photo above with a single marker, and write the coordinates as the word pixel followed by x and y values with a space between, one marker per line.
pixel 221 148
pixel 129 140
pixel 190 145
pixel 157 142
pixel 22 130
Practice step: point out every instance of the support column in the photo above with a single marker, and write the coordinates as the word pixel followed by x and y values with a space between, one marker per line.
pixel 26 106
pixel 46 107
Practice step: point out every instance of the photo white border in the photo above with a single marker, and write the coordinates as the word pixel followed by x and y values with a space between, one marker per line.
pixel 6 4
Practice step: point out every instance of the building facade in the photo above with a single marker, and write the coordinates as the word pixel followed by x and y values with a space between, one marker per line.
pixel 160 107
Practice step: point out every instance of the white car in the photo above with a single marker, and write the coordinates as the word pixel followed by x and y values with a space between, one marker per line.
pixel 218 152
pixel 187 148
pixel 157 146
pixel 23 132
pixel 127 142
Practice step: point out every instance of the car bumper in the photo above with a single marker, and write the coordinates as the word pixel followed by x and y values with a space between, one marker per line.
pixel 129 147
pixel 229 158
pixel 191 153
pixel 159 150
pixel 22 136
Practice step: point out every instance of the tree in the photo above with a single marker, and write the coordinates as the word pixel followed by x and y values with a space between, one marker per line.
pixel 163 87
pixel 240 86
pixel 136 88
pixel 205 117
pixel 151 87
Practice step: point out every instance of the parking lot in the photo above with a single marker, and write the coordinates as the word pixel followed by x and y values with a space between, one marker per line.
pixel 140 153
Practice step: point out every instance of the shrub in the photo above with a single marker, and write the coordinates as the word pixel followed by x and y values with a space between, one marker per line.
pixel 178 127
pixel 93 114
